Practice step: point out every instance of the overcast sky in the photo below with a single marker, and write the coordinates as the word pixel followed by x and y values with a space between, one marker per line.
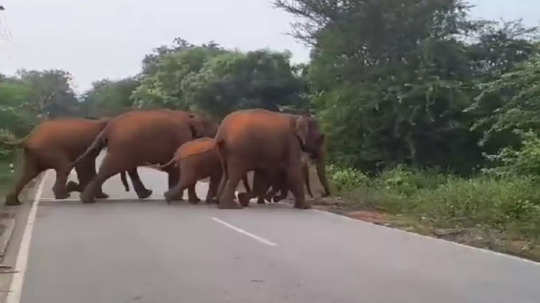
pixel 108 38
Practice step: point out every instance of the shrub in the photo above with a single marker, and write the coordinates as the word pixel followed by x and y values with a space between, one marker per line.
pixel 522 161
pixel 406 181
pixel 5 151
pixel 346 179
pixel 507 203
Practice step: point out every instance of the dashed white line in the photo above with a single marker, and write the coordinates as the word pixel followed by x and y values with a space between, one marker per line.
pixel 15 288
pixel 239 230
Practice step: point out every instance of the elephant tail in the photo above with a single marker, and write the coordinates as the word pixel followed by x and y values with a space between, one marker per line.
pixel 99 143
pixel 220 146
pixel 168 164
pixel 124 180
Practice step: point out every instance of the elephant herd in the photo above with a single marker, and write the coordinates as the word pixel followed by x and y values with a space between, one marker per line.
pixel 187 146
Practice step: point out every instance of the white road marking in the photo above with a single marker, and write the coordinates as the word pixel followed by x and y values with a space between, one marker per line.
pixel 482 250
pixel 239 230
pixel 17 281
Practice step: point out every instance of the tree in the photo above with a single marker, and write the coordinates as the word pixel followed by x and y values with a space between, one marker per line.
pixel 51 93
pixel 13 95
pixel 161 80
pixel 109 98
pixel 391 79
pixel 234 80
pixel 510 103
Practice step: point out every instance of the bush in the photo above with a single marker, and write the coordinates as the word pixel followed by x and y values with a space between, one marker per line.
pixel 509 203
pixel 6 136
pixel 346 179
pixel 483 200
pixel 515 162
pixel 406 181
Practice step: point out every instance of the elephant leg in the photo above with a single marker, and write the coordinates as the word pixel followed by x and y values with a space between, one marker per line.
pixel 260 187
pixel 282 188
pixel 186 179
pixel 213 188
pixel 295 182
pixel 192 194
pixel 235 172
pixel 174 179
pixel 30 171
pixel 110 166
pixel 62 172
pixel 86 171
pixel 138 186
pixel 173 193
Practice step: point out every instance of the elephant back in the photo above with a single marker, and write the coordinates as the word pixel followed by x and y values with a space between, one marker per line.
pixel 196 147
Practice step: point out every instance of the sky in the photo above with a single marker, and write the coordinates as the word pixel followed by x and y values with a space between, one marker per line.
pixel 108 38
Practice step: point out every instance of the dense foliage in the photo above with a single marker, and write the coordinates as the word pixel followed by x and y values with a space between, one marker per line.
pixel 217 81
pixel 108 98
pixel 392 79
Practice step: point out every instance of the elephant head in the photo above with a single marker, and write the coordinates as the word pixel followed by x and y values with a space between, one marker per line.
pixel 202 126
pixel 313 142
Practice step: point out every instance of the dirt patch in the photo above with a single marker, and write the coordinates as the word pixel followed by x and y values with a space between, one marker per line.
pixel 368 216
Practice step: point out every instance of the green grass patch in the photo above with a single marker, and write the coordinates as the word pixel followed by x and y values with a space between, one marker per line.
pixel 501 211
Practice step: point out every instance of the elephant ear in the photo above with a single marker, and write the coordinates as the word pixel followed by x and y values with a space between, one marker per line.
pixel 301 128
pixel 196 126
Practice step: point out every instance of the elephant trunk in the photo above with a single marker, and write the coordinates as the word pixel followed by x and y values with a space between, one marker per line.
pixel 321 173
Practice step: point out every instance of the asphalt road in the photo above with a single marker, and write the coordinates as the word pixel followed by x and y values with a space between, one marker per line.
pixel 125 250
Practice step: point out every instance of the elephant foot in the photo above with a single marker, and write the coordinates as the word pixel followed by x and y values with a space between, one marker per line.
pixel 87 198
pixel 302 205
pixel 12 200
pixel 232 205
pixel 194 201
pixel 261 201
pixel 144 194
pixel 211 201
pixel 102 195
pixel 72 186
pixel 243 199
pixel 169 196
pixel 61 196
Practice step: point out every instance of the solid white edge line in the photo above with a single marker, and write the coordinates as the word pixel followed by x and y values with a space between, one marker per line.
pixel 483 250
pixel 17 281
pixel 239 230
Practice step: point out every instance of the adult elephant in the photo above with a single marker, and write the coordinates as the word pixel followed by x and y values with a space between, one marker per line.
pixel 140 137
pixel 55 144
pixel 268 143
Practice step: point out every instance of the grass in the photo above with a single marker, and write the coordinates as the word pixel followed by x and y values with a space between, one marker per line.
pixel 498 213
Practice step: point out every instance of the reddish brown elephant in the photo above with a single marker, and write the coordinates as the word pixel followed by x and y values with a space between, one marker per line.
pixel 197 160
pixel 54 145
pixel 140 137
pixel 268 143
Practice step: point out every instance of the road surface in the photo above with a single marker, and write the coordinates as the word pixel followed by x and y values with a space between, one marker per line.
pixel 125 250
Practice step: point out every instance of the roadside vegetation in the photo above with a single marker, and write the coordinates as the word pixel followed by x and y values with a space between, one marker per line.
pixel 431 116
pixel 498 212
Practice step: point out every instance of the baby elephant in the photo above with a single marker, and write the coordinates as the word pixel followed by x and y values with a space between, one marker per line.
pixel 196 160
